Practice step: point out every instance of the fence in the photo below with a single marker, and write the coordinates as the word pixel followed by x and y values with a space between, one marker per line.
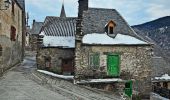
pixel 164 92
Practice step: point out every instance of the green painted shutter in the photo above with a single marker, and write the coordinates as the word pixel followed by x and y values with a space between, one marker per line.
pixel 95 60
pixel 128 88
pixel 113 65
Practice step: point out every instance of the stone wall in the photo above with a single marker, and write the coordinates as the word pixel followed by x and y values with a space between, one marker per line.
pixel 135 64
pixel 56 55
pixel 11 53
pixel 33 42
pixel 11 50
pixel 8 19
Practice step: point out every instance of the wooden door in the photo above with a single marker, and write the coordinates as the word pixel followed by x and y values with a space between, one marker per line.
pixel 113 65
pixel 67 66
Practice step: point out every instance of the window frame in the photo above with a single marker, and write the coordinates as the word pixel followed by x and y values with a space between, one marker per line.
pixel 109 28
pixel 13 33
pixel 94 60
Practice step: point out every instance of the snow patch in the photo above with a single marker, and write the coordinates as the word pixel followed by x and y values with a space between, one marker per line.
pixel 99 80
pixel 59 41
pixel 42 33
pixel 162 30
pixel 157 96
pixel 103 38
pixel 56 75
pixel 165 77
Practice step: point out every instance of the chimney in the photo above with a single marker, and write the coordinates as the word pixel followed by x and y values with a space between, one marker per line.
pixel 83 6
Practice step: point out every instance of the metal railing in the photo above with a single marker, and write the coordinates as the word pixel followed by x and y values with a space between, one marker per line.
pixel 164 92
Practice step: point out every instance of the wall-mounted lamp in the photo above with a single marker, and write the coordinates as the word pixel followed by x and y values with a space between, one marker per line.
pixel 5 5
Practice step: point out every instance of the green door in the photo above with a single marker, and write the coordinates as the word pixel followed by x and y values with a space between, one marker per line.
pixel 128 88
pixel 113 65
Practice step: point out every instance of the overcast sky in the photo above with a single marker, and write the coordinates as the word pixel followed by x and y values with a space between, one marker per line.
pixel 134 11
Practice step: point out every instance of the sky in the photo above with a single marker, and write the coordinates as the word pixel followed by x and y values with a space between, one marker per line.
pixel 134 11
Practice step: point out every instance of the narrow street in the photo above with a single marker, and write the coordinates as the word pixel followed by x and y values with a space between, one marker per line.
pixel 23 83
pixel 15 84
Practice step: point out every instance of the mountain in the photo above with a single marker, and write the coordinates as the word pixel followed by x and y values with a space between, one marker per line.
pixel 155 24
pixel 158 32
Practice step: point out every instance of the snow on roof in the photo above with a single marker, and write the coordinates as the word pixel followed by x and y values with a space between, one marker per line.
pixel 163 77
pixel 59 41
pixel 56 75
pixel 103 38
pixel 42 33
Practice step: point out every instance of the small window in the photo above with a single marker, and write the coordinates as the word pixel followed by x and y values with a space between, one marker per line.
pixel 0 50
pixel 165 84
pixel 13 33
pixel 13 7
pixel 110 27
pixel 94 60
pixel 110 30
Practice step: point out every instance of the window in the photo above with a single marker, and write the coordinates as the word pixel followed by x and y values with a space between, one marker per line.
pixel 165 84
pixel 13 7
pixel 0 50
pixel 110 26
pixel 13 33
pixel 94 60
pixel 110 30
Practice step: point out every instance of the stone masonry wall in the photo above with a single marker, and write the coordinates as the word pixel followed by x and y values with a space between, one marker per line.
pixel 135 64
pixel 33 42
pixel 11 54
pixel 11 50
pixel 56 55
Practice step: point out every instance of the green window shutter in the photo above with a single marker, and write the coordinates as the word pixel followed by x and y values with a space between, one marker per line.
pixel 94 60
pixel 91 61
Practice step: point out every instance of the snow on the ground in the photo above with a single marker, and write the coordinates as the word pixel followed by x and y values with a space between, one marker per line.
pixel 157 96
pixel 56 75
pixel 103 38
pixel 99 80
pixel 58 41
pixel 165 77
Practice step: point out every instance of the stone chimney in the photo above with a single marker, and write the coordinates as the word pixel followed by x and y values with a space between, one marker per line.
pixel 83 6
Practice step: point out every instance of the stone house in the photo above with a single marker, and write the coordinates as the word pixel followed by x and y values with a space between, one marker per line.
pixel 161 85
pixel 34 32
pixel 11 33
pixel 56 53
pixel 107 47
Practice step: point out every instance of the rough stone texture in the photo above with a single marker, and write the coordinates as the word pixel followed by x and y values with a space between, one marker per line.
pixel 11 50
pixel 11 53
pixel 160 67
pixel 33 42
pixel 135 63
pixel 56 55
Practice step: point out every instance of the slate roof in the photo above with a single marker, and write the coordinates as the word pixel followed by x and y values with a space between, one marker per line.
pixel 21 3
pixel 95 19
pixel 36 28
pixel 58 26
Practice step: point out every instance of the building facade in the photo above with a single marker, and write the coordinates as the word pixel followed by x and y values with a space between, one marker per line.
pixel 11 34
pixel 34 32
pixel 107 47
pixel 56 50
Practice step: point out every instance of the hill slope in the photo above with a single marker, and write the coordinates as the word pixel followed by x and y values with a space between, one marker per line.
pixel 158 32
